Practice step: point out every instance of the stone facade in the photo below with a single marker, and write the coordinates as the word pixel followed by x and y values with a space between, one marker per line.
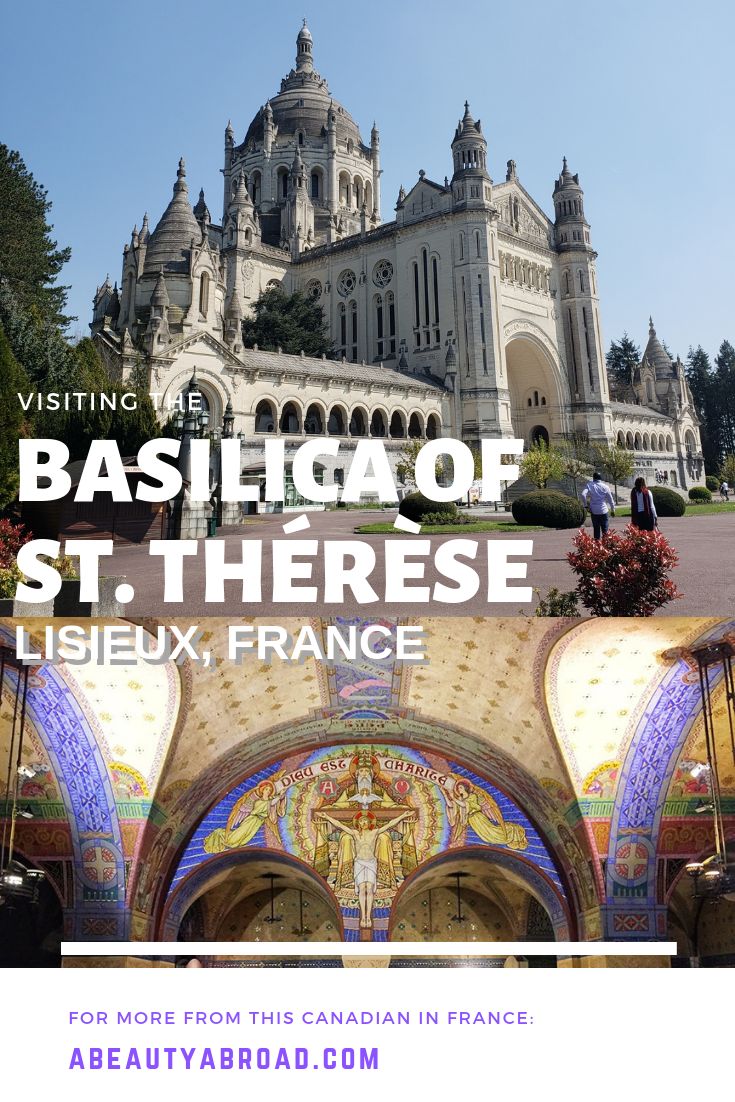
pixel 471 312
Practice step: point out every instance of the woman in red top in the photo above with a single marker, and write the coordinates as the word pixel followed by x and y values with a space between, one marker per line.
pixel 642 509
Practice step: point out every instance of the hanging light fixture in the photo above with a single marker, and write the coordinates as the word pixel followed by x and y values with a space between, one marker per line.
pixel 458 878
pixel 16 881
pixel 713 878
pixel 272 877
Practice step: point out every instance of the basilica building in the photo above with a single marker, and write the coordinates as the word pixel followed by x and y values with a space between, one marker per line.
pixel 499 795
pixel 468 312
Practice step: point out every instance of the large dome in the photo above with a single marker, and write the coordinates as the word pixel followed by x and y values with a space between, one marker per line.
pixel 303 103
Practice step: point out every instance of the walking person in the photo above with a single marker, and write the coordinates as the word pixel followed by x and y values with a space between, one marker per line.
pixel 725 491
pixel 642 507
pixel 597 497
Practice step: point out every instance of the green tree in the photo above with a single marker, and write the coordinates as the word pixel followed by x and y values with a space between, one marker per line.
pixel 617 463
pixel 37 344
pixel 30 260
pixel 13 420
pixel 727 470
pixel 577 458
pixel 292 322
pixel 406 465
pixel 78 428
pixel 621 361
pixel 542 463
pixel 703 385
pixel 725 396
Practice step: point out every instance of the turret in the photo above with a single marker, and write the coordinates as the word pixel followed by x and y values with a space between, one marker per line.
pixel 375 158
pixel 268 128
pixel 579 301
pixel 229 144
pixel 471 184
pixel 332 192
pixel 297 214
pixel 572 229
pixel 201 212
pixel 157 332
pixel 304 51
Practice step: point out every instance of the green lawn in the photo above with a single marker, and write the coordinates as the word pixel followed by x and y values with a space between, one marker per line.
pixel 691 510
pixel 450 529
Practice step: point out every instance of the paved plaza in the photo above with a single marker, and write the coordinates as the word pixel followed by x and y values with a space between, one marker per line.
pixel 705 574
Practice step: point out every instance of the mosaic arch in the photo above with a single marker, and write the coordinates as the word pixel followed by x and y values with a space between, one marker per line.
pixel 98 909
pixel 633 909
pixel 364 818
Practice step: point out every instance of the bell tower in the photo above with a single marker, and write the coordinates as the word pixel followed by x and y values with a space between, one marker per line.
pixel 579 305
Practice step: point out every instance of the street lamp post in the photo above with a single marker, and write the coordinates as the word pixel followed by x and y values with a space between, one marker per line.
pixel 193 422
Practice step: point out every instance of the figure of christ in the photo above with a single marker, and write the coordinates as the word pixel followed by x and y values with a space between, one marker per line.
pixel 365 837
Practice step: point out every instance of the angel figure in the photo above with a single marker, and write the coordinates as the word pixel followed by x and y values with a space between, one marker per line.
pixel 247 817
pixel 468 806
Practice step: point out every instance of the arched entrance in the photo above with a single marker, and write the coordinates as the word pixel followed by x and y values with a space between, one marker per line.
pixel 539 398
pixel 476 895
pixel 253 895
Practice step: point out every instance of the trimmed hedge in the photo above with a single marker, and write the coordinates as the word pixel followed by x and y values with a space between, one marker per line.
pixel 713 483
pixel 549 508
pixel 415 506
pixel 668 503
pixel 700 494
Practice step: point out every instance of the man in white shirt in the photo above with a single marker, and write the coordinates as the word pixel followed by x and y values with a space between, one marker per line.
pixel 597 497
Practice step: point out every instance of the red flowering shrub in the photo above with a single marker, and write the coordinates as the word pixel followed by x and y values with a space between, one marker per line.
pixel 624 574
pixel 12 538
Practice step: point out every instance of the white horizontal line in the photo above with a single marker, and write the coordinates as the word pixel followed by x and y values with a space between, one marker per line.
pixel 368 948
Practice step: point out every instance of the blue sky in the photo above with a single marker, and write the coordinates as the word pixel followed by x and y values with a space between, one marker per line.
pixel 102 100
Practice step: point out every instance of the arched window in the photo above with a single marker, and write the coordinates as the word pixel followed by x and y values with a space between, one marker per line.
pixel 358 192
pixel 255 188
pixel 283 182
pixel 380 344
pixel 204 294
pixel 369 196
pixel 344 189
pixel 397 426
pixel 478 247
pixel 461 246
pixel 621 440
pixel 435 295
pixel 290 422
pixel 377 424
pixel 539 434
pixel 315 188
pixel 342 314
pixel 390 304
pixel 415 428
pixel 433 428
pixel 637 442
pixel 580 273
pixel 358 426
pixel 629 441
pixel 313 425
pixel 265 417
pixel 645 442
pixel 353 329
pixel 336 422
